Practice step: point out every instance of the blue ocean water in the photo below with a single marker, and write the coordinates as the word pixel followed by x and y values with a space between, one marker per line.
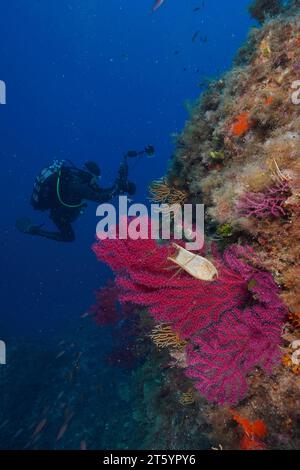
pixel 86 81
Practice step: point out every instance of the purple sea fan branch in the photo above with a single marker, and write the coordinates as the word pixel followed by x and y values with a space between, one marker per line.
pixel 221 357
pixel 269 203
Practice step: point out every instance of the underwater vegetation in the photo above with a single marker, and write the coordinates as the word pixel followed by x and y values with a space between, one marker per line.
pixel 163 337
pixel 232 338
pixel 65 385
pixel 163 193
pixel 230 324
pixel 250 120
pixel 264 204
pixel 105 311
pixel 262 9
pixel 123 321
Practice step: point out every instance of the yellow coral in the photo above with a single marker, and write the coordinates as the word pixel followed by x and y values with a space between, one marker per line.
pixel 265 48
pixel 187 398
pixel 162 193
pixel 164 337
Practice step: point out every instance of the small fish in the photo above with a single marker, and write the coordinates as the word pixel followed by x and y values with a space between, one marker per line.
pixel 39 427
pixel 60 395
pixel 199 8
pixel 84 315
pixel 4 423
pixel 60 354
pixel 157 4
pixel 83 445
pixel 35 439
pixel 125 57
pixel 202 39
pixel 18 433
pixel 195 35
pixel 62 430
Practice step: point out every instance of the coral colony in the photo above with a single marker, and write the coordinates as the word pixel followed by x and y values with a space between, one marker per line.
pixel 224 321
pixel 228 317
pixel 105 310
pixel 268 203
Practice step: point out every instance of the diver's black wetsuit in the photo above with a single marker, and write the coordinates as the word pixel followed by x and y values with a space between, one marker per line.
pixel 76 185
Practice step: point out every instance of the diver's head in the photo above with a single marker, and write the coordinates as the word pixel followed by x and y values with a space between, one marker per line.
pixel 92 168
pixel 94 171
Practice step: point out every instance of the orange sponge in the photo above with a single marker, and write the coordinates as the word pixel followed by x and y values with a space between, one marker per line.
pixel 241 125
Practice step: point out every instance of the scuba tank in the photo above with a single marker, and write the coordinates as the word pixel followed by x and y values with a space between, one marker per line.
pixel 47 187
pixel 41 186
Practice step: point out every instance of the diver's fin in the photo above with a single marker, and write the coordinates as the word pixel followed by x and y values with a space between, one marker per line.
pixel 23 224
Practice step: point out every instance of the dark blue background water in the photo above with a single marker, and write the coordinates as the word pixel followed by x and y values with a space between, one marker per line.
pixel 89 80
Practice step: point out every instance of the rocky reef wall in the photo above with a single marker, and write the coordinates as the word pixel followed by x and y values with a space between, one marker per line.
pixel 239 153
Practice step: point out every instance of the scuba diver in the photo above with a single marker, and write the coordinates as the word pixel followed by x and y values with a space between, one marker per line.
pixel 62 189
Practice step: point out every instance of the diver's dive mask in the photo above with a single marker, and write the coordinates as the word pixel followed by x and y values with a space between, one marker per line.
pixel 94 171
pixel 95 181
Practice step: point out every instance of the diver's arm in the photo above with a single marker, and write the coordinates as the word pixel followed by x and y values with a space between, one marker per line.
pixel 105 195
pixel 96 194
